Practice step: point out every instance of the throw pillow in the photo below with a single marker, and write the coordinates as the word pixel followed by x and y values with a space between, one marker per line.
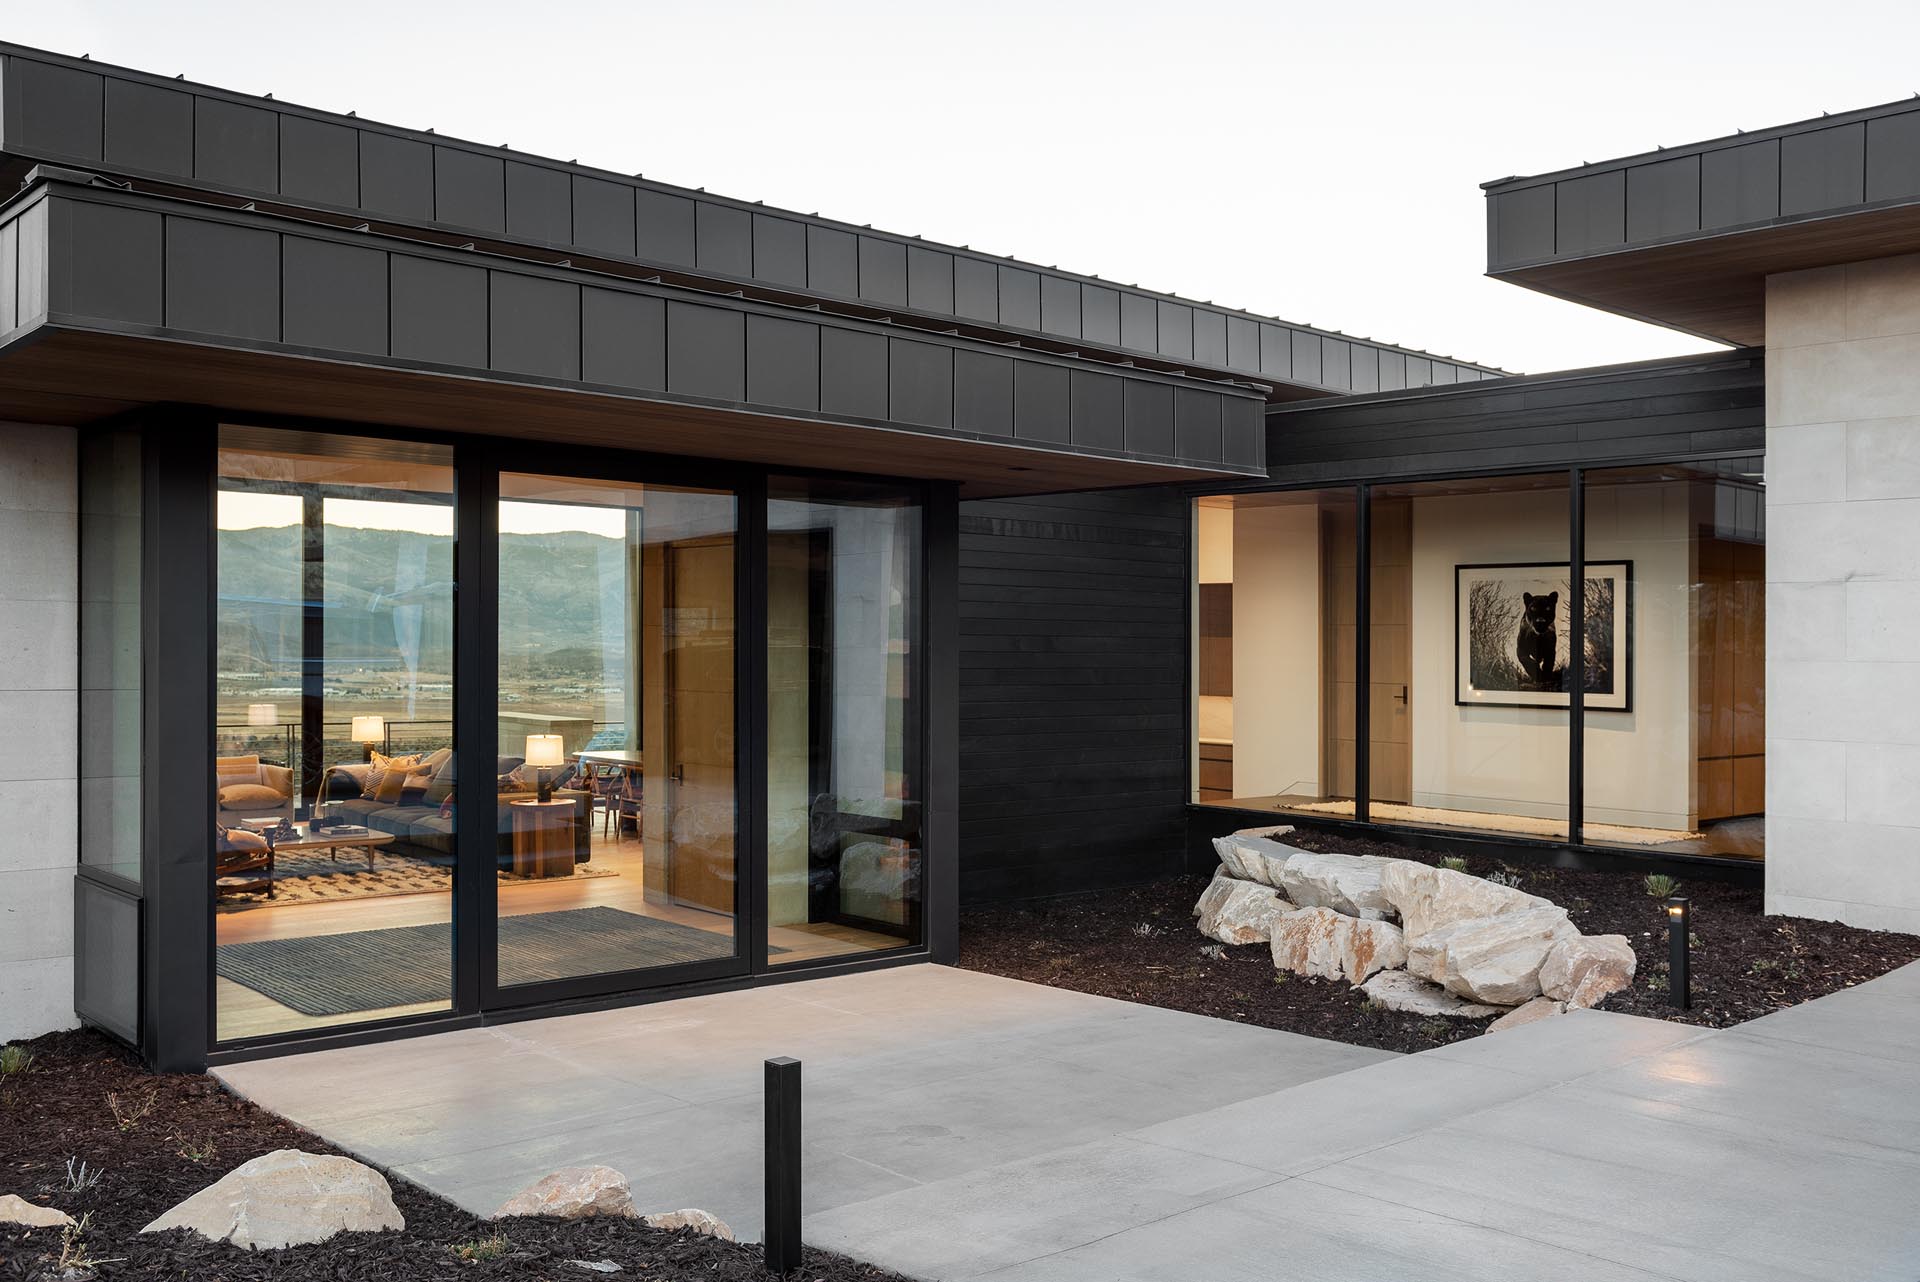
pixel 229 770
pixel 391 785
pixel 413 792
pixel 250 796
pixel 379 768
pixel 440 787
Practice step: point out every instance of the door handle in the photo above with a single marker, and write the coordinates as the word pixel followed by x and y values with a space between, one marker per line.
pixel 1402 696
pixel 679 774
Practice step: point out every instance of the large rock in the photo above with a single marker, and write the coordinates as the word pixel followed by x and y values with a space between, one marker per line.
pixel 573 1193
pixel 691 1218
pixel 1216 892
pixel 1332 945
pixel 1583 970
pixel 15 1209
pixel 1272 832
pixel 1252 858
pixel 1397 990
pixel 1532 1013
pixel 1496 959
pixel 1428 898
pixel 1243 913
pixel 1347 884
pixel 287 1198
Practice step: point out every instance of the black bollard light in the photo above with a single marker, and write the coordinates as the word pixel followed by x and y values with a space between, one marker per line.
pixel 1679 933
pixel 783 1165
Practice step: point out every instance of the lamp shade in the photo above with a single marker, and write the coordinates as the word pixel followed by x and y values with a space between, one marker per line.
pixel 545 750
pixel 369 729
pixel 263 714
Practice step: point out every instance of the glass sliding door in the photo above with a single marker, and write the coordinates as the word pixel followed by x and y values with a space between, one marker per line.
pixel 614 823
pixel 333 869
pixel 844 793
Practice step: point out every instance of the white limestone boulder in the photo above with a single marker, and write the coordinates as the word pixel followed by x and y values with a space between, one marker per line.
pixel 573 1193
pixel 691 1218
pixel 1399 991
pixel 287 1198
pixel 1532 1013
pixel 1271 832
pixel 1252 858
pixel 1583 970
pixel 1348 884
pixel 1243 914
pixel 1495 960
pixel 1331 945
pixel 1428 898
pixel 1216 891
pixel 15 1209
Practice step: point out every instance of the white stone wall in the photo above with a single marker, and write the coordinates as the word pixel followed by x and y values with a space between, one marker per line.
pixel 1843 593
pixel 39 672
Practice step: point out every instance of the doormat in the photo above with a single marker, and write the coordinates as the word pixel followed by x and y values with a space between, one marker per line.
pixel 406 965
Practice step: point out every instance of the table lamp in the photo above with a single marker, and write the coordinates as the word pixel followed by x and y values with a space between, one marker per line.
pixel 369 731
pixel 263 714
pixel 544 752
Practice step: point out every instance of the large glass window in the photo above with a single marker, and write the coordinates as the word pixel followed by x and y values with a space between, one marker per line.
pixel 1675 754
pixel 110 653
pixel 615 819
pixel 333 868
pixel 844 798
pixel 1276 628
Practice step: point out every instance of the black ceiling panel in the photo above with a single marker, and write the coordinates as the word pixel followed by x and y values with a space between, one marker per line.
pixel 539 204
pixel 1663 199
pixel 982 393
pixel 1176 330
pixel 1149 419
pixel 437 311
pixel 883 272
pixel 1139 323
pixel 853 373
pixel 1393 371
pixel 706 352
pixel 319 162
pixel 1306 356
pixel 779 252
pixel 976 289
pixel 833 262
pixel 121 276
pixel 1590 213
pixel 223 279
pixel 396 177
pixel 1019 298
pixel 52 109
pixel 1040 403
pixel 623 339
pixel 783 361
pixel 1209 336
pixel 1243 431
pixel 335 296
pixel 1098 419
pixel 1059 306
pixel 535 326
pixel 1243 343
pixel 723 240
pixel 235 145
pixel 1522 224
pixel 469 189
pixel 1419 372
pixel 603 218
pixel 1740 184
pixel 1366 368
pixel 1099 315
pixel 148 128
pixel 664 227
pixel 1276 352
pixel 929 280
pixel 1893 157
pixel 1825 169
pixel 1201 433
pixel 1335 370
pixel 920 383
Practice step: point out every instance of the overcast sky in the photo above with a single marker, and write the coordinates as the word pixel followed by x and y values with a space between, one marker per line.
pixel 1317 162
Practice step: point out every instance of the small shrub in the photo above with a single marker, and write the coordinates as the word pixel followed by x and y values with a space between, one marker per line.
pixel 1434 1029
pixel 1693 940
pixel 80 1176
pixel 15 1059
pixel 129 1114
pixel 76 1260
pixel 1371 1007
pixel 201 1152
pixel 1763 966
pixel 487 1248
pixel 1146 930
pixel 1213 952
pixel 1454 863
pixel 1661 886
pixel 1504 877
pixel 1281 977
pixel 1656 983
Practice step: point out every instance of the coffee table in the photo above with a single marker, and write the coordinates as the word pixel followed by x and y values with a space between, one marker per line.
pixel 307 839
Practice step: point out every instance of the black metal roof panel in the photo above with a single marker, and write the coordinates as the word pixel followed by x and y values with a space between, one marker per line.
pixel 133 124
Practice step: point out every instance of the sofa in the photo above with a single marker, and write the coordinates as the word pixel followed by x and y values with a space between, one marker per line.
pixel 422 818
pixel 251 788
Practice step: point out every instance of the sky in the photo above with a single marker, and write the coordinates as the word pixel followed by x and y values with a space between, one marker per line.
pixel 1320 163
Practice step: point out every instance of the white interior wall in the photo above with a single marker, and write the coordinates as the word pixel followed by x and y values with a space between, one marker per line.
pixel 39 674
pixel 1276 650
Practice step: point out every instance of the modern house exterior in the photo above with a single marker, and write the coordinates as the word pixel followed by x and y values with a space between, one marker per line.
pixel 447 585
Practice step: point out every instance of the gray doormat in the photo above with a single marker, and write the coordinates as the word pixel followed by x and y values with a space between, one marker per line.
pixel 406 965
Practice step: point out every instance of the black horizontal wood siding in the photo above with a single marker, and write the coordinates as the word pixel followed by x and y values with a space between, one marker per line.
pixel 1073 691
pixel 1660 409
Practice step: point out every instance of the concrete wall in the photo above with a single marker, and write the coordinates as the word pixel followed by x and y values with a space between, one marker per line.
pixel 39 648
pixel 1276 650
pixel 1843 593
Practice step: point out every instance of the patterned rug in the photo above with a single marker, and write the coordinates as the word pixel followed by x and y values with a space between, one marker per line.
pixel 310 877
pixel 405 965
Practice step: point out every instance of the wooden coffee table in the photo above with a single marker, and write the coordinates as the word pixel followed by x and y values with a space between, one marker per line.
pixel 326 840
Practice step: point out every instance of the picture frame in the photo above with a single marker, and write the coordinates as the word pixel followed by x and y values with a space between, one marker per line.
pixel 1512 633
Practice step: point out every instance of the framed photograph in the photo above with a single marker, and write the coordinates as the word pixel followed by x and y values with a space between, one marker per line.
pixel 1513 635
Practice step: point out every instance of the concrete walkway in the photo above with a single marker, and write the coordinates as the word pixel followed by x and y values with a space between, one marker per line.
pixel 965 1126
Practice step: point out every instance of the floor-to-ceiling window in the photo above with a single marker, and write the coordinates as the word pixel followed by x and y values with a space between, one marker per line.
pixel 844 794
pixel 616 831
pixel 333 869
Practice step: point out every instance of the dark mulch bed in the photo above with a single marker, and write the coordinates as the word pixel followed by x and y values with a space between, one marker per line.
pixel 182 1131
pixel 1139 943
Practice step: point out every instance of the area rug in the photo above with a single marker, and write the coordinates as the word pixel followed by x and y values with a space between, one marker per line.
pixel 1395 812
pixel 404 965
pixel 308 877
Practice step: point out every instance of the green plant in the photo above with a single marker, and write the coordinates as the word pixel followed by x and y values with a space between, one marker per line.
pixel 1371 1007
pixel 1434 1029
pixel 1661 886
pixel 1280 976
pixel 15 1058
pixel 1656 983
pixel 1454 863
pixel 1765 965
pixel 201 1152
pixel 487 1248
pixel 1693 940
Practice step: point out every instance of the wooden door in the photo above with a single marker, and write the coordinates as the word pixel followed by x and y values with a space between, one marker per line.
pixel 1390 661
pixel 696 815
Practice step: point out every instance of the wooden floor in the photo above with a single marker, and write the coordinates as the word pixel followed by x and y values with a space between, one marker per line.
pixel 243 1012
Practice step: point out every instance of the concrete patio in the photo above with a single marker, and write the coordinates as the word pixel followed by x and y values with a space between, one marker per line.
pixel 961 1125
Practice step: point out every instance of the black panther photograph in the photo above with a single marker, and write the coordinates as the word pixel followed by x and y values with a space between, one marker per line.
pixel 1515 635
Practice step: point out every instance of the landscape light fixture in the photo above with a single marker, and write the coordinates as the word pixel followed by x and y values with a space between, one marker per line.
pixel 368 731
pixel 544 752
pixel 1679 932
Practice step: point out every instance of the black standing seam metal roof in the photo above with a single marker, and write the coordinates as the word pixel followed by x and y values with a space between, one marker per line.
pixel 135 124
